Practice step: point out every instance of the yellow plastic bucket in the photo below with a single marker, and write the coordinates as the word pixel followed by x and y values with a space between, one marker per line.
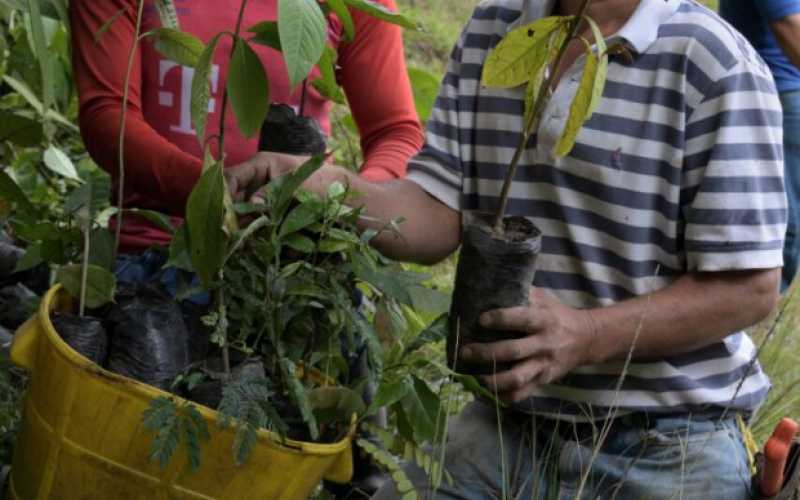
pixel 82 437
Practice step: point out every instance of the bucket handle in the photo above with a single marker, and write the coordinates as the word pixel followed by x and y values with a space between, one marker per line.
pixel 23 348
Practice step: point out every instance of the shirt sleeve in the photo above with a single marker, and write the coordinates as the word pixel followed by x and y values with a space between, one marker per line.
pixel 438 167
pixel 773 10
pixel 154 167
pixel 373 74
pixel 733 197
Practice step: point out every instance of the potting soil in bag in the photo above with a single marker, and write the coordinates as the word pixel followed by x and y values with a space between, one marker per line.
pixel 493 273
pixel 17 304
pixel 285 132
pixel 86 335
pixel 149 341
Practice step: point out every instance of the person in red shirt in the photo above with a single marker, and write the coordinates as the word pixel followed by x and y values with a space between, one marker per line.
pixel 162 152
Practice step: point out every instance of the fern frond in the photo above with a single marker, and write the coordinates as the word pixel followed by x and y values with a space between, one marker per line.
pixel 391 464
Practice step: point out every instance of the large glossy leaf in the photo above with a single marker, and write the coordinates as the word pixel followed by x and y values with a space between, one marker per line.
pixel 179 256
pixel 100 284
pixel 515 59
pixel 201 89
pixel 248 89
pixel 303 33
pixel 57 161
pixel 379 11
pixel 204 219
pixel 588 94
pixel 339 7
pixel 179 46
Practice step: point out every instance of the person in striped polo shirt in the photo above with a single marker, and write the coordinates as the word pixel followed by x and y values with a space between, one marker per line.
pixel 662 237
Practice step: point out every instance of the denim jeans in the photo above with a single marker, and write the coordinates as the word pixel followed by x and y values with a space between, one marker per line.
pixel 669 457
pixel 791 148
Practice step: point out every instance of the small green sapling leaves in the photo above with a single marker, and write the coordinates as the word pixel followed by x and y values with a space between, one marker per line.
pixel 379 11
pixel 58 162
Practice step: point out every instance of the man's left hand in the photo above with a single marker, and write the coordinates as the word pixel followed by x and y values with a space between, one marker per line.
pixel 557 339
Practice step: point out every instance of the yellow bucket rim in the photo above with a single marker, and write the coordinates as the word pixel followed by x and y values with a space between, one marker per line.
pixel 58 296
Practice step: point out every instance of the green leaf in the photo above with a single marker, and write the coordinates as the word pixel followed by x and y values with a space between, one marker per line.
pixel 205 213
pixel 179 46
pixel 162 221
pixel 379 11
pixel 107 25
pixel 30 259
pixel 426 87
pixel 588 94
pixel 338 402
pixel 299 395
pixel 389 393
pixel 303 34
pixel 19 129
pixel 299 242
pixel 301 217
pixel 248 89
pixel 42 54
pixel 201 89
pixel 326 85
pixel 57 161
pixel 332 245
pixel 10 191
pixel 524 49
pixel 284 187
pixel 179 255
pixel 101 243
pixel 100 284
pixel 266 33
pixel 340 9
pixel 167 13
pixel 435 332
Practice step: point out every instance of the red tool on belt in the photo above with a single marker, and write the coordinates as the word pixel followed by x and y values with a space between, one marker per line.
pixel 779 475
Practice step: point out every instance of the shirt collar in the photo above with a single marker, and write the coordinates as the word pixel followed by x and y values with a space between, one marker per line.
pixel 639 32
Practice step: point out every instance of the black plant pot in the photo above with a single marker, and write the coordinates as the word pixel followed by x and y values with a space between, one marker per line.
pixel 494 272
pixel 285 132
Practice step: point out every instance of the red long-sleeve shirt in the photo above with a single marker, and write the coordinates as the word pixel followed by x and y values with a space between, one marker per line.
pixel 162 153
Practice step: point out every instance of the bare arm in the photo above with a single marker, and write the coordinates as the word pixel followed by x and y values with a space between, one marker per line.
pixel 787 33
pixel 695 311
pixel 430 230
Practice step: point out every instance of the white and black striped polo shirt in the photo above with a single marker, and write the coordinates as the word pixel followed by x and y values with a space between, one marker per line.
pixel 680 169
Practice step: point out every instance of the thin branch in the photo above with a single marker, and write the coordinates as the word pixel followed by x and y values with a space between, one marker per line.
pixel 122 123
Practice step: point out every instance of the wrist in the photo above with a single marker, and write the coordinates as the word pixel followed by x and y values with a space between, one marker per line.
pixel 591 355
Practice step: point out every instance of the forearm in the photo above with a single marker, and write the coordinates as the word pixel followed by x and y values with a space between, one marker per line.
pixel 787 33
pixel 429 232
pixel 695 311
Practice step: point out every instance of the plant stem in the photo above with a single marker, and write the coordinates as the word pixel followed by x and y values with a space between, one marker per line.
pixel 535 118
pixel 87 226
pixel 226 356
pixel 303 97
pixel 224 107
pixel 122 120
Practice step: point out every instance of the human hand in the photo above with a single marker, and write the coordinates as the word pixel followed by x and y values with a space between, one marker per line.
pixel 246 178
pixel 557 339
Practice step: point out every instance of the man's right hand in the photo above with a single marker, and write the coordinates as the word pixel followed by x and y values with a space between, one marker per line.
pixel 246 178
